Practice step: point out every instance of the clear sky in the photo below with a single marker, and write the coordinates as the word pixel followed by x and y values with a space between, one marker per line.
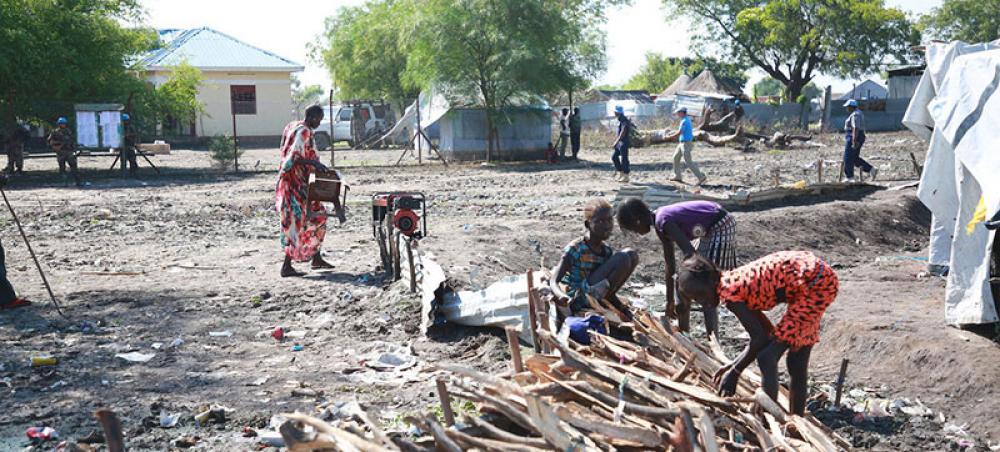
pixel 285 27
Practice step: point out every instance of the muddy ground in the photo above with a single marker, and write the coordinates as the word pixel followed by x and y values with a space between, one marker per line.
pixel 138 264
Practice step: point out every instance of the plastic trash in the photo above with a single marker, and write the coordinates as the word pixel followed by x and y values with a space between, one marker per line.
pixel 176 343
pixel 270 438
pixel 579 327
pixel 220 333
pixel 297 348
pixel 169 420
pixel 278 333
pixel 42 433
pixel 136 357
pixel 39 361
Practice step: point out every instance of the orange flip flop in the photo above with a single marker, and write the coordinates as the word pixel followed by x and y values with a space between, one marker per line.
pixel 17 303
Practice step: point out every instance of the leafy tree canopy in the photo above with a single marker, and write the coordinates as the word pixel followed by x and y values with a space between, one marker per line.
pixel 55 53
pixel 971 21
pixel 794 40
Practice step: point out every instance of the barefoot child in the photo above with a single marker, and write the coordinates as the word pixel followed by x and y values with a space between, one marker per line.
pixel 681 223
pixel 590 266
pixel 797 278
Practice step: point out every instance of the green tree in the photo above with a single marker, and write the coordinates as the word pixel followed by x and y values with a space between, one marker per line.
pixel 767 87
pixel 656 74
pixel 177 99
pixel 971 21
pixel 365 48
pixel 304 96
pixel 793 40
pixel 497 50
pixel 55 53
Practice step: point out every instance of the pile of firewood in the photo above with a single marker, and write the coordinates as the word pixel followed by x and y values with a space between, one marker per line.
pixel 655 393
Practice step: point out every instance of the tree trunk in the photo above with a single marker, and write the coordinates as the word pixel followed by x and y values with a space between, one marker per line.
pixel 569 92
pixel 794 89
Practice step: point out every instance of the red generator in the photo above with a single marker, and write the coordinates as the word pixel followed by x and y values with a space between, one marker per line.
pixel 399 219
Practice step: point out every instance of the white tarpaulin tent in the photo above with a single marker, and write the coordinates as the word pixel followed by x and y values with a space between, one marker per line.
pixel 957 108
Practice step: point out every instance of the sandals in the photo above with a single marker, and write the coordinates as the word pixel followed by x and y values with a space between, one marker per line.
pixel 17 303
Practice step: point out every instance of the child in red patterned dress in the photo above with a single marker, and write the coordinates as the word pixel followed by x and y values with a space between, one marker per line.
pixel 797 278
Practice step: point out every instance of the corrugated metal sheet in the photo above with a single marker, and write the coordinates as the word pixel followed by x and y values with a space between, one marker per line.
pixel 206 49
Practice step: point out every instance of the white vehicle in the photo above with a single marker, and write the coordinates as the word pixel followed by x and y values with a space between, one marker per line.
pixel 375 118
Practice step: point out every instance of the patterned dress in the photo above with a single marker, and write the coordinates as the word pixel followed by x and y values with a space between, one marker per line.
pixel 303 226
pixel 585 261
pixel 803 281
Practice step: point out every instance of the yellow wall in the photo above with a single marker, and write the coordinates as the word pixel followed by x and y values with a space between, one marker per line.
pixel 274 102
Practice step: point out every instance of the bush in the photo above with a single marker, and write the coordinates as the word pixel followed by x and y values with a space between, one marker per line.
pixel 223 152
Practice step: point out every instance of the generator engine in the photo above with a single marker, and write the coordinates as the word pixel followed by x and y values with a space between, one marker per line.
pixel 398 219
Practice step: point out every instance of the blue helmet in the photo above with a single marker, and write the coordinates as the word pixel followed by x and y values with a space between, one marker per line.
pixel 62 120
pixel 125 117
pixel 737 101
pixel 619 109
pixel 851 103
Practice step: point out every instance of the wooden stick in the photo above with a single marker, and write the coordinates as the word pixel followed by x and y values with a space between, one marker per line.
pixel 533 311
pixel 839 385
pixel 515 350
pixel 112 430
pixel 442 390
pixel 819 171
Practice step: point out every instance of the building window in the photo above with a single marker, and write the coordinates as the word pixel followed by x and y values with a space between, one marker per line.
pixel 244 99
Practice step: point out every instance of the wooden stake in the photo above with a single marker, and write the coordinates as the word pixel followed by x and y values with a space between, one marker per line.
pixel 449 416
pixel 543 320
pixel 515 349
pixel 819 171
pixel 839 385
pixel 533 311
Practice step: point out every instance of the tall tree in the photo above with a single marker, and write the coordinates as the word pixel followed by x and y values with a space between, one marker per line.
pixel 365 48
pixel 496 50
pixel 656 74
pixel 793 40
pixel 55 53
pixel 177 98
pixel 303 96
pixel 964 20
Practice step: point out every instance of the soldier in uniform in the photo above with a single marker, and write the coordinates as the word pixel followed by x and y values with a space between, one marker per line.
pixel 61 140
pixel 129 141
pixel 15 150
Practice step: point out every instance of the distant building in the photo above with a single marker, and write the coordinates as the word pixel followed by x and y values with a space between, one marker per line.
pixel 237 76
pixel 867 90
pixel 598 105
pixel 903 81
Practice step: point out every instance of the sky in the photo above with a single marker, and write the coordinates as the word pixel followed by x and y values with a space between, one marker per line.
pixel 645 26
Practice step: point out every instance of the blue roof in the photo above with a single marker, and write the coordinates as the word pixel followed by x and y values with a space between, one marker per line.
pixel 208 49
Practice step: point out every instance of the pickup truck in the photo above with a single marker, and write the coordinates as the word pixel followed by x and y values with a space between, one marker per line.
pixel 377 120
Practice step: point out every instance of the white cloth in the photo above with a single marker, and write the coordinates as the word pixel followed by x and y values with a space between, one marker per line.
pixel 941 238
pixel 86 129
pixel 111 136
pixel 957 105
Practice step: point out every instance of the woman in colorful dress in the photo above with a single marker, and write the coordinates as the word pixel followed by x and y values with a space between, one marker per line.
pixel 303 224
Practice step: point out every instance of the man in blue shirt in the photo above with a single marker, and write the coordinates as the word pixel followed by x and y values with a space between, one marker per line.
pixel 685 135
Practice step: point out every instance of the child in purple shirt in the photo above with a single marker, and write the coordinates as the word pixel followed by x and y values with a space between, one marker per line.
pixel 681 223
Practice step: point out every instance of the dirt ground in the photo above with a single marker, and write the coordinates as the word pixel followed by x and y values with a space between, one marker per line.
pixel 139 264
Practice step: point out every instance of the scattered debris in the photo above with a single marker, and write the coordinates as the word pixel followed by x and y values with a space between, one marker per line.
pixel 136 357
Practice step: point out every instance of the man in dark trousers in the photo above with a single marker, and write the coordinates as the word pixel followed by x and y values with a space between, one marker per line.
pixel 15 150
pixel 8 298
pixel 61 141
pixel 574 131
pixel 130 139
